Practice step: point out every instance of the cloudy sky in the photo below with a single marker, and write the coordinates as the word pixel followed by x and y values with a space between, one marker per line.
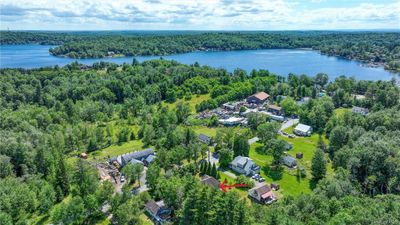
pixel 199 14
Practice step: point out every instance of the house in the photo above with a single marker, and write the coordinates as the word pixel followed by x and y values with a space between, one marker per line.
pixel 302 130
pixel 205 139
pixel 158 212
pixel 275 110
pixel 360 110
pixel 244 165
pixel 231 121
pixel 258 98
pixel 277 118
pixel 262 193
pixel 289 161
pixel 124 159
pixel 209 181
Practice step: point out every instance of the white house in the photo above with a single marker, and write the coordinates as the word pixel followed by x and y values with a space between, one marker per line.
pixel 302 130
pixel 244 165
pixel 232 121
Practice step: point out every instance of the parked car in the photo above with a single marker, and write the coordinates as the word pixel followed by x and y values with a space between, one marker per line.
pixel 291 136
pixel 261 180
pixel 256 176
pixel 122 178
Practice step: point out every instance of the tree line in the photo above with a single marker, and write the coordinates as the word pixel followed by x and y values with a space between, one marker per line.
pixel 50 115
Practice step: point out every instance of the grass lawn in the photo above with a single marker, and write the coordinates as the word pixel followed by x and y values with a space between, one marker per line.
pixel 209 131
pixel 196 99
pixel 145 219
pixel 287 178
pixel 115 150
pixel 212 131
pixel 230 180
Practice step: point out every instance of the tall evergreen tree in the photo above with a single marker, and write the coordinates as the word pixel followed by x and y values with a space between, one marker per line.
pixel 318 165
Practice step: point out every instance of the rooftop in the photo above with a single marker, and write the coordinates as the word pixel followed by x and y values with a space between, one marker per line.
pixel 210 181
pixel 274 107
pixel 261 188
pixel 261 95
pixel 303 127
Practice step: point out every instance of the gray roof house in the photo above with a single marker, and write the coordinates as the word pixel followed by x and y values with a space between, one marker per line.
pixel 289 161
pixel 158 212
pixel 360 110
pixel 302 130
pixel 244 165
pixel 205 139
pixel 209 181
pixel 124 159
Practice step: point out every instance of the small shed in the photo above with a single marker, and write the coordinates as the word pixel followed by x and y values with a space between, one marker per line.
pixel 274 109
pixel 275 186
pixel 83 155
pixel 299 155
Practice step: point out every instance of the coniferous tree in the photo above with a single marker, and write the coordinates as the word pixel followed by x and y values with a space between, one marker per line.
pixel 318 165
pixel 213 171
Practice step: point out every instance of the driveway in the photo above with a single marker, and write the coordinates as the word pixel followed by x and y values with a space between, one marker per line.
pixel 143 187
pixel 289 123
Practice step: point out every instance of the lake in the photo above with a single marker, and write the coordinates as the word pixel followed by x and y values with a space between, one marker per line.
pixel 279 61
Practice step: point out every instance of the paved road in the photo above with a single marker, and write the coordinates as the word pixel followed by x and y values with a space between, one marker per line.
pixel 289 123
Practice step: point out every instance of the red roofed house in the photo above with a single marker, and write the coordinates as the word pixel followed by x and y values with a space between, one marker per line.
pixel 258 98
pixel 262 193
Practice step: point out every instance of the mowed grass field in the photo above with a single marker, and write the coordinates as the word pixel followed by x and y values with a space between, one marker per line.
pixel 196 99
pixel 290 183
pixel 115 150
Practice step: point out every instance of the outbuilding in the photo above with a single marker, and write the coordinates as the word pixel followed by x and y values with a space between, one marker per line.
pixel 275 110
pixel 289 161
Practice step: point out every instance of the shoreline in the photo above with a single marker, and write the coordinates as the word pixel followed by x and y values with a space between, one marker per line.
pixel 363 63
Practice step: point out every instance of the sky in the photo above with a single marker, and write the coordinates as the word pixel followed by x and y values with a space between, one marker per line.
pixel 199 14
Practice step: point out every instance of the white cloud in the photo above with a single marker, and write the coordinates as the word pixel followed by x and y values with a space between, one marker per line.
pixel 201 14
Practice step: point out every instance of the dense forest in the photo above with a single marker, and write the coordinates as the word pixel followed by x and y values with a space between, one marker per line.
pixel 375 48
pixel 48 116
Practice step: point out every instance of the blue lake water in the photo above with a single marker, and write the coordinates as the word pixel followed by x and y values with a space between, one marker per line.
pixel 279 61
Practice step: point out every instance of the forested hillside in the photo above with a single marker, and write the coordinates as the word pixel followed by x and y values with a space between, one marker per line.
pixel 49 116
pixel 380 48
